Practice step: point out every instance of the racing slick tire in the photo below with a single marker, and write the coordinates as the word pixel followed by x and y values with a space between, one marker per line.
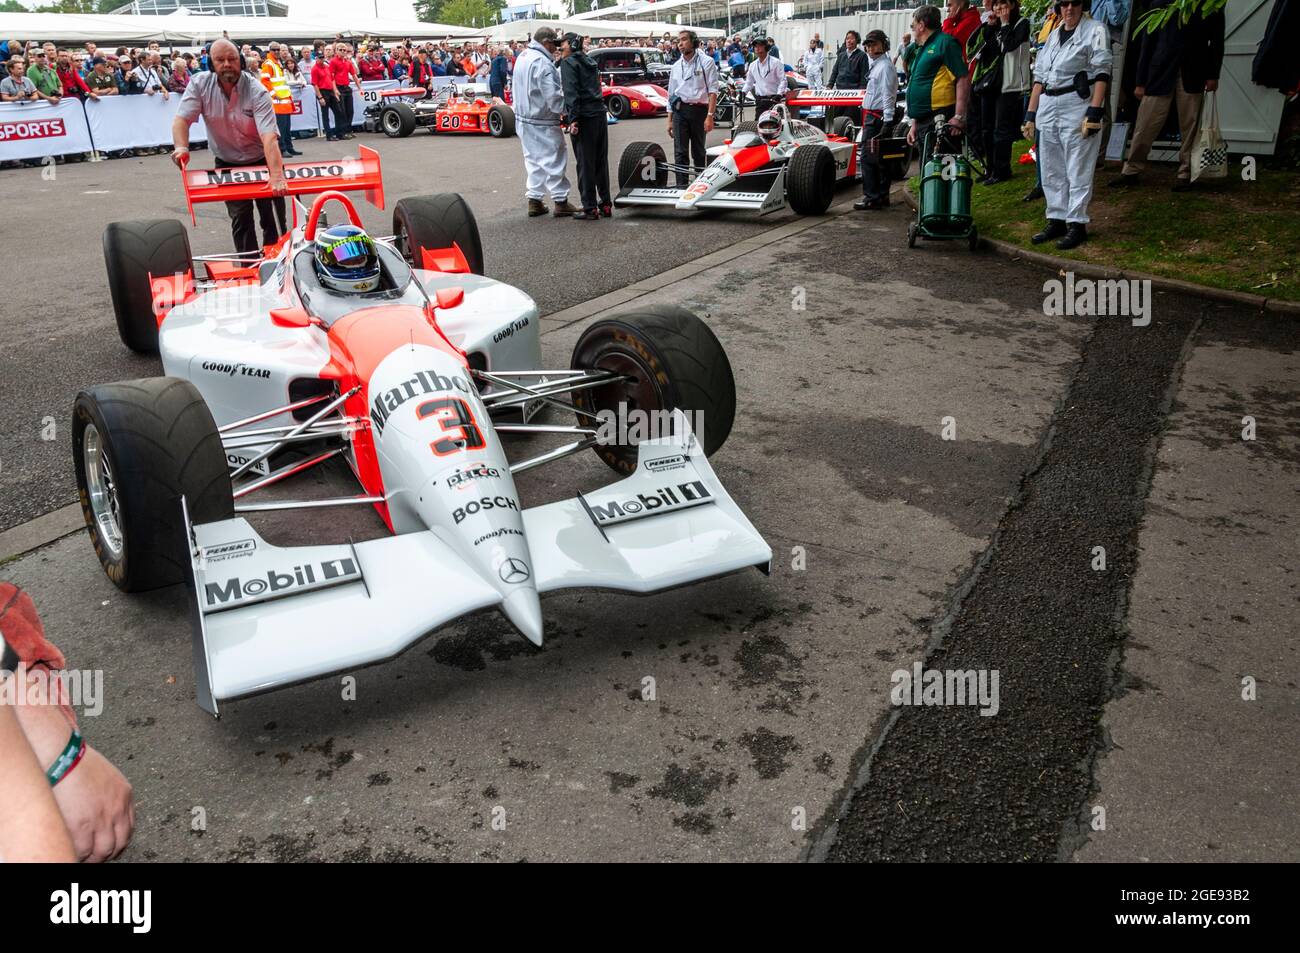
pixel 132 252
pixel 840 126
pixel 810 180
pixel 138 447
pixel 619 107
pixel 501 122
pixel 675 362
pixel 397 120
pixel 437 221
pixel 749 125
pixel 630 165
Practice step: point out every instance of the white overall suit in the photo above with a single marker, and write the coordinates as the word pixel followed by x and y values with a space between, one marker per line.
pixel 538 104
pixel 1066 158
pixel 814 65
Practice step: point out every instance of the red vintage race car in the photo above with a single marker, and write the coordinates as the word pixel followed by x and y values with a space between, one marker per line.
pixel 451 108
pixel 644 99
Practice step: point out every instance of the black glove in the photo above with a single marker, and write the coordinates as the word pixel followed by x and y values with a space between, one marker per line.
pixel 1091 121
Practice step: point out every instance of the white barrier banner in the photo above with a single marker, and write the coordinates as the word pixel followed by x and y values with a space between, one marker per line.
pixel 306 111
pixel 33 130
pixel 136 122
pixel 368 95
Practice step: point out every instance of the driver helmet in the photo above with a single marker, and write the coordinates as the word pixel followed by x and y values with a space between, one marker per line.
pixel 346 259
pixel 769 125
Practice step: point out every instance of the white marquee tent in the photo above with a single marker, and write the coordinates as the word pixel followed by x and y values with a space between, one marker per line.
pixel 196 30
pixel 523 29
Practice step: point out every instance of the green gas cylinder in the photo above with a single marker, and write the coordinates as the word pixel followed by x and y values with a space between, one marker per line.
pixel 934 190
pixel 959 188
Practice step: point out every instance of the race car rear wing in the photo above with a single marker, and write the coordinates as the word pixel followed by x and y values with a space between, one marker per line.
pixel 805 98
pixel 348 174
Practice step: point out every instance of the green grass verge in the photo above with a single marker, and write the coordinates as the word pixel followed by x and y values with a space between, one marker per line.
pixel 1241 236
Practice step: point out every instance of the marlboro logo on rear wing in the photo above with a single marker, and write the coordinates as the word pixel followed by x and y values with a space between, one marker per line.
pixel 360 174
pixel 825 97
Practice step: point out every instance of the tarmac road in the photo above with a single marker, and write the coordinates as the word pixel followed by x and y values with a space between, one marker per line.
pixel 772 734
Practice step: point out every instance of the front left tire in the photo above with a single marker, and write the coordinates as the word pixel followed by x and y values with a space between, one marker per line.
pixel 810 180
pixel 138 447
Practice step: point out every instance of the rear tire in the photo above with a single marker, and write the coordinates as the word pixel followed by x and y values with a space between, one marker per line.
pixel 397 120
pixel 632 167
pixel 132 252
pixel 618 106
pixel 501 122
pixel 677 362
pixel 840 126
pixel 138 447
pixel 437 221
pixel 810 180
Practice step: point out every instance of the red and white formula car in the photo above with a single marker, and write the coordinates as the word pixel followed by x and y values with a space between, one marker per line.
pixel 623 102
pixel 800 165
pixel 468 108
pixel 269 372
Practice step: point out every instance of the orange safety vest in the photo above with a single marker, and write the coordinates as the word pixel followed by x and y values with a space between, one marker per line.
pixel 273 80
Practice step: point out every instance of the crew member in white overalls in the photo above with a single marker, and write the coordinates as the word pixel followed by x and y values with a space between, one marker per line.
pixel 1071 76
pixel 814 65
pixel 539 105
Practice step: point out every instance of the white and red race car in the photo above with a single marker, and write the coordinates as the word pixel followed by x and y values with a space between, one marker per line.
pixel 269 373
pixel 644 99
pixel 799 166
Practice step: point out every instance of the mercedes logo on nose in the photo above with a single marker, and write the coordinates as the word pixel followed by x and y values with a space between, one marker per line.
pixel 514 571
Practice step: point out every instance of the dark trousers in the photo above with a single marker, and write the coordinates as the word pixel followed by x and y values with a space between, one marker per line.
pixel 875 177
pixel 282 121
pixel 333 107
pixel 975 128
pixel 1000 115
pixel 688 139
pixel 591 153
pixel 242 227
pixel 345 96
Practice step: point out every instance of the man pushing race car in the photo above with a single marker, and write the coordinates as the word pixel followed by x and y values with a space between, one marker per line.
pixel 242 130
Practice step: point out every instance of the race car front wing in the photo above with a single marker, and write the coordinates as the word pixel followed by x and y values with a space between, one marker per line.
pixel 265 616
pixel 757 192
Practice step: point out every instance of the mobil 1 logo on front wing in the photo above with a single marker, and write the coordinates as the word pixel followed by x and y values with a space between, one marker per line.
pixel 665 499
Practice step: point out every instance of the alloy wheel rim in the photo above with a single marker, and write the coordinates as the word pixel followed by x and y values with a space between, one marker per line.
pixel 101 489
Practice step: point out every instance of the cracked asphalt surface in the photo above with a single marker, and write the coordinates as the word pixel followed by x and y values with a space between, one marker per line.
pixel 749 718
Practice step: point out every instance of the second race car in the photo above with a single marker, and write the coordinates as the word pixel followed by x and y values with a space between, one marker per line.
pixel 450 108
pixel 765 166
pixel 643 99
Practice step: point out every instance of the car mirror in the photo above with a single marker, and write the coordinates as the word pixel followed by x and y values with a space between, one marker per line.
pixel 294 317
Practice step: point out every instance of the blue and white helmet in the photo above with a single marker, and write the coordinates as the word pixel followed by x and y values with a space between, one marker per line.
pixel 346 259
